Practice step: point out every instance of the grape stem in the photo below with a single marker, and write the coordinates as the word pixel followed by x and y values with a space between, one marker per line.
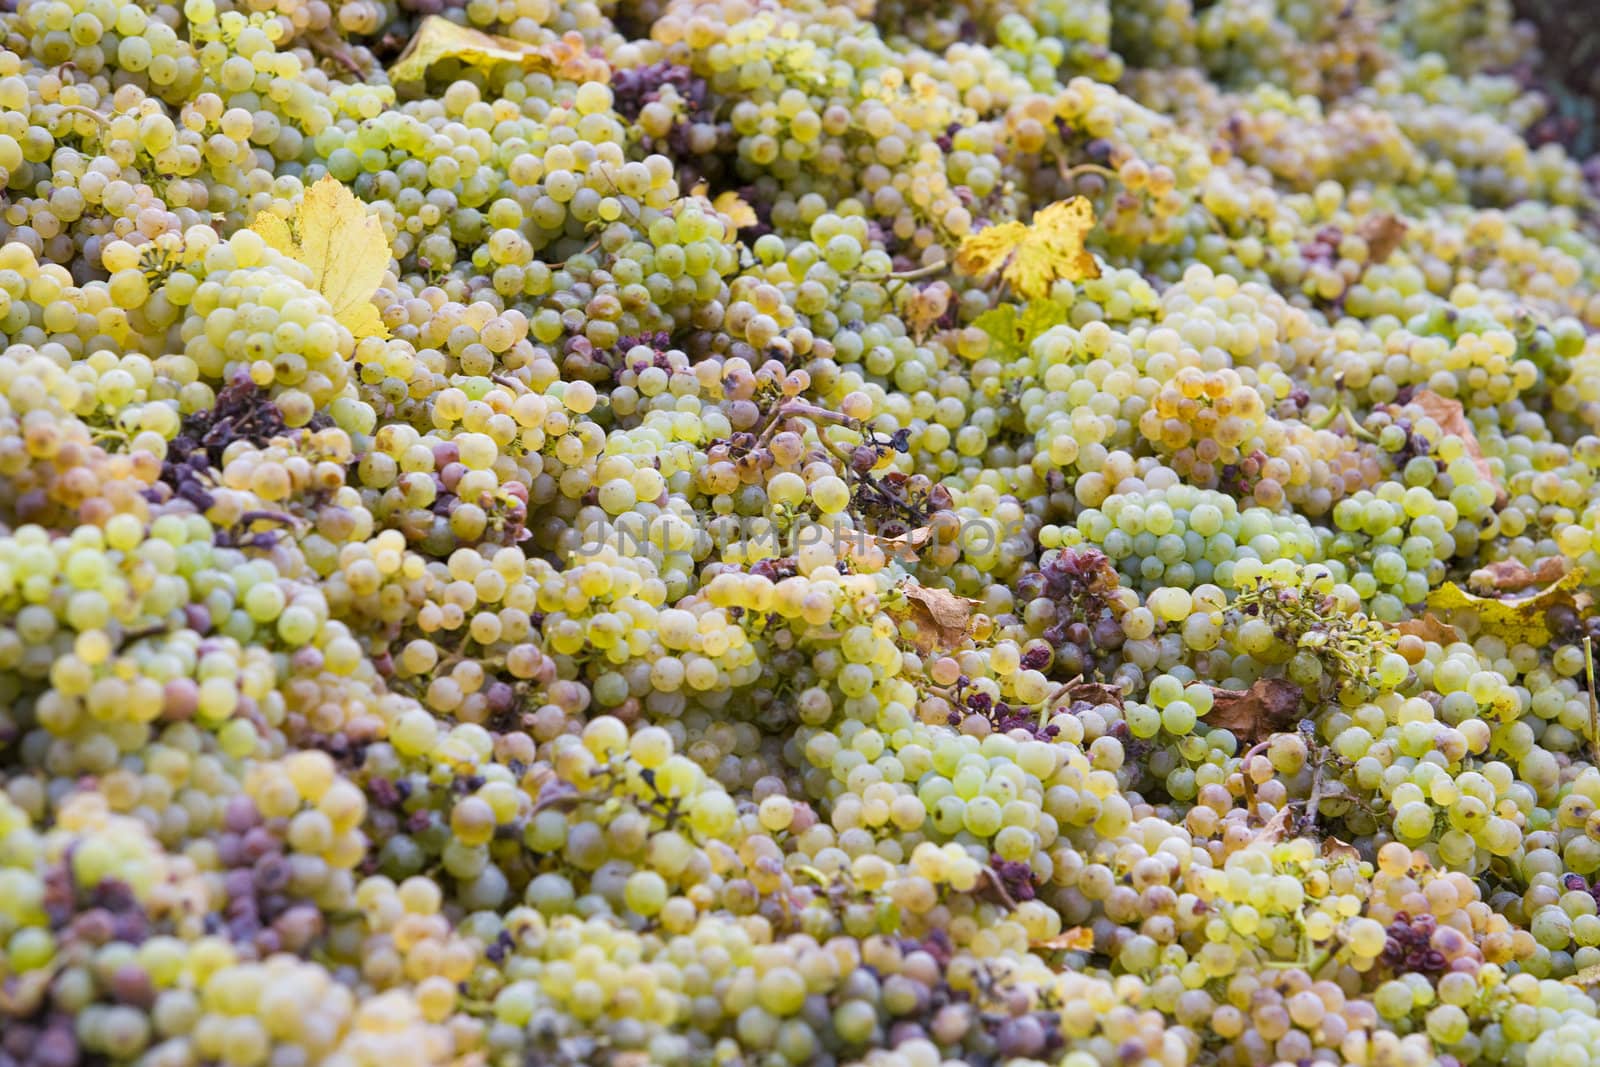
pixel 801 409
pixel 1049 701
pixel 901 275
pixel 1308 821
pixel 1000 888
pixel 79 109
pixel 328 45
pixel 1249 783
pixel 1068 173
pixel 1594 704
pixel 585 250
pixel 269 516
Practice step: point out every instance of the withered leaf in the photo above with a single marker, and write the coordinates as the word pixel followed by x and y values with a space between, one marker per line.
pixel 905 546
pixel 1277 828
pixel 1511 575
pixel 1337 851
pixel 438 39
pixel 1586 977
pixel 1383 234
pixel 864 547
pixel 1270 706
pixel 1429 627
pixel 1095 693
pixel 943 619
pixel 1514 619
pixel 1452 419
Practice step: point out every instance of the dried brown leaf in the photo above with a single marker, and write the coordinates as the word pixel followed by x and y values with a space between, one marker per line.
pixel 1337 851
pixel 906 545
pixel 863 546
pixel 1452 419
pixel 1429 627
pixel 941 616
pixel 1511 575
pixel 1270 706
pixel 943 619
pixel 1277 827
pixel 1095 693
pixel 1383 234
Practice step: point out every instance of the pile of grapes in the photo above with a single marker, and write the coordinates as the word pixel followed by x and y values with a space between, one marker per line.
pixel 745 533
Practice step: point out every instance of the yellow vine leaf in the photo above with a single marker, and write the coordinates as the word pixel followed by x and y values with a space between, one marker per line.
pixel 1074 939
pixel 733 205
pixel 1033 257
pixel 1013 329
pixel 438 38
pixel 343 245
pixel 1513 619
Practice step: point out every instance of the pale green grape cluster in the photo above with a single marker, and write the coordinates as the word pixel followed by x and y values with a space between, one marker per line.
pixel 628 588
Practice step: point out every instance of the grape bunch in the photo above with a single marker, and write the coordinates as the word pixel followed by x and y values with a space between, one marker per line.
pixel 568 533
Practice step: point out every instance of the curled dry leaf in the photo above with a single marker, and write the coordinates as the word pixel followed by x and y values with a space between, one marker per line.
pixel 1383 234
pixel 1277 827
pixel 1512 575
pixel 1095 693
pixel 906 545
pixel 334 235
pixel 1586 977
pixel 1452 419
pixel 1270 706
pixel 1031 258
pixel 1337 851
pixel 1073 939
pixel 1514 619
pixel 1429 627
pixel 865 547
pixel 943 619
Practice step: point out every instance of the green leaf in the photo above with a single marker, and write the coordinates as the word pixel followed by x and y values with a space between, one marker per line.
pixel 1013 329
